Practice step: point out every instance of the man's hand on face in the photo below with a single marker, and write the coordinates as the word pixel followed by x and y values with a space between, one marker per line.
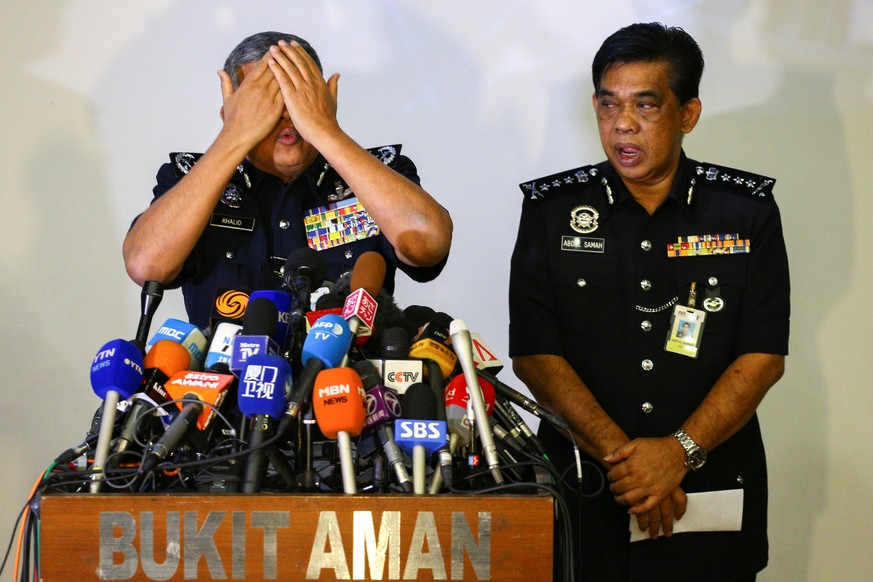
pixel 310 100
pixel 252 110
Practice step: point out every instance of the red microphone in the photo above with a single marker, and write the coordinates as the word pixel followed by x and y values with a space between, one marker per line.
pixel 366 280
pixel 338 400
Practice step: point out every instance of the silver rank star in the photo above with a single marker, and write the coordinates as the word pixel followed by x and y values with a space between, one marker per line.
pixel 583 219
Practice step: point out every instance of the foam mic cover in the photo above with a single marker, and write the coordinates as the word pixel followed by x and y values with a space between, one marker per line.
pixel 264 381
pixel 418 426
pixel 282 301
pixel 258 333
pixel 433 343
pixel 187 334
pixel 117 367
pixel 338 402
pixel 395 343
pixel 304 269
pixel 162 361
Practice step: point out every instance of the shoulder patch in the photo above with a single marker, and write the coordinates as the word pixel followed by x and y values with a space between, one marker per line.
pixel 387 154
pixel 737 180
pixel 183 162
pixel 561 183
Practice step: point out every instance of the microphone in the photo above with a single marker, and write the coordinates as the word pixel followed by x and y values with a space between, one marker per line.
pixel 163 360
pixel 433 343
pixel 116 372
pixel 150 299
pixel 283 306
pixel 524 402
pixel 325 346
pixel 264 381
pixel 483 357
pixel 187 334
pixel 338 403
pixel 229 305
pixel 418 432
pixel 258 333
pixel 463 346
pixel 359 308
pixel 198 394
pixel 383 408
pixel 221 344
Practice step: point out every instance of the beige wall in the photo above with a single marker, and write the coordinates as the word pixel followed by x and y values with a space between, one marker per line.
pixel 483 95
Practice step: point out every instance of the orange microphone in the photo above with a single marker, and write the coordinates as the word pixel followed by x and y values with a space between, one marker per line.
pixel 338 402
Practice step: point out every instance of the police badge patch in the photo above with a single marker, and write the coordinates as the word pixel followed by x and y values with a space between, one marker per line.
pixel 583 219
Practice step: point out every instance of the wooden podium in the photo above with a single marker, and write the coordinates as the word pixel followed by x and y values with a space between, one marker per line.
pixel 295 537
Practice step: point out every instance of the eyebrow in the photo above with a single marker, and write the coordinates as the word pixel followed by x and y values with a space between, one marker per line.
pixel 638 94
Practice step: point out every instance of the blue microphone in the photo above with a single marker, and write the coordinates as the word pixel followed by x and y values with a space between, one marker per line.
pixel 116 373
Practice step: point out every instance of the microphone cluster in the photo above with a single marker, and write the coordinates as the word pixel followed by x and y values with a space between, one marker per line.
pixel 345 393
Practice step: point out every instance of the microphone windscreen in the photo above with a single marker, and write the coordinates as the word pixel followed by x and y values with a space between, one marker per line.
pixel 419 402
pixel 260 318
pixel 307 263
pixel 457 393
pixel 395 343
pixel 328 340
pixel 167 356
pixel 329 301
pixel 370 376
pixel 208 387
pixel 338 402
pixel 419 314
pixel 282 301
pixel 368 273
pixel 263 384
pixel 118 366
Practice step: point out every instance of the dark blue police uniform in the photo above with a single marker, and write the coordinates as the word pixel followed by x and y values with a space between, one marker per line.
pixel 595 279
pixel 259 221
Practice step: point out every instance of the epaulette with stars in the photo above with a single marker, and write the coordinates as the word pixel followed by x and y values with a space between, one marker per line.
pixel 234 192
pixel 736 180
pixel 386 154
pixel 563 183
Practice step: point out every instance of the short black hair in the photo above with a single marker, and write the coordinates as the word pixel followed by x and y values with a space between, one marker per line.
pixel 254 47
pixel 652 42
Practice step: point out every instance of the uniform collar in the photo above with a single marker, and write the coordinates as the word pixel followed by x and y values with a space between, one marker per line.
pixel 615 193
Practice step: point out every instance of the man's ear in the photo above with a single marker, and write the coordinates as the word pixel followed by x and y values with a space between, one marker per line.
pixel 691 114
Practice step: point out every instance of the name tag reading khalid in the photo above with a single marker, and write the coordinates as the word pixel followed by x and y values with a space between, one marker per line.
pixel 234 222
pixel 338 224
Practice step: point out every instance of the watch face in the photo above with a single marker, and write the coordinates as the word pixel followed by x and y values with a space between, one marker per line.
pixel 696 458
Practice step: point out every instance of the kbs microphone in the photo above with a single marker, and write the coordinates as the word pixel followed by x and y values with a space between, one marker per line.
pixel 282 300
pixel 150 299
pixel 189 335
pixel 264 381
pixel 221 344
pixel 463 346
pixel 338 403
pixel 116 372
pixel 418 432
pixel 383 408
pixel 325 346
pixel 433 343
pixel 162 361
pixel 257 335
pixel 198 394
pixel 524 402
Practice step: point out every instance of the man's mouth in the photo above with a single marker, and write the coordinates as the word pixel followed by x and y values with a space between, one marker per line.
pixel 288 136
pixel 628 155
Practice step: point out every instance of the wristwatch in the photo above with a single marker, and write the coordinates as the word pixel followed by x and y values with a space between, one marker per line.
pixel 695 455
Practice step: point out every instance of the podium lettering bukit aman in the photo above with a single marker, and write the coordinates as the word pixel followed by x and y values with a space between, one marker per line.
pixel 252 488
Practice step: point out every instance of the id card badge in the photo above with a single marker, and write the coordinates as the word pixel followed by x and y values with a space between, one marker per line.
pixel 686 331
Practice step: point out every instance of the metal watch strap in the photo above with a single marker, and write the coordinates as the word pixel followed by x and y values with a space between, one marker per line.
pixel 695 455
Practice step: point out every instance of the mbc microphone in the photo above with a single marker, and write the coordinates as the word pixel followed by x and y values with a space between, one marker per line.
pixel 116 373
pixel 338 403
pixel 463 346
pixel 198 394
pixel 325 346
pixel 264 381
pixel 189 335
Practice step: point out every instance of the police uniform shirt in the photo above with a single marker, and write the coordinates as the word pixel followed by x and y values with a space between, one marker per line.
pixel 601 295
pixel 259 221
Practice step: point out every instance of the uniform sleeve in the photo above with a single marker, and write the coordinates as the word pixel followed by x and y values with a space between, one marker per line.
pixel 534 327
pixel 764 318
pixel 406 167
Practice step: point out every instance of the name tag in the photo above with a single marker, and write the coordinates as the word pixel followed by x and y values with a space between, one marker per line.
pixel 234 222
pixel 582 244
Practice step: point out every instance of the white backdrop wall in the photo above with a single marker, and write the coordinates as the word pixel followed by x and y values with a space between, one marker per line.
pixel 483 95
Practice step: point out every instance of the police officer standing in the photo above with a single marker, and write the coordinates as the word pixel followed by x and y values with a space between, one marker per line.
pixel 649 306
pixel 280 175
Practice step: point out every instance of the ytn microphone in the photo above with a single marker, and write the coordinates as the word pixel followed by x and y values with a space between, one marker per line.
pixel 116 373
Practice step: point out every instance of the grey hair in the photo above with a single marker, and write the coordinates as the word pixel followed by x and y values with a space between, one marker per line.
pixel 256 46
